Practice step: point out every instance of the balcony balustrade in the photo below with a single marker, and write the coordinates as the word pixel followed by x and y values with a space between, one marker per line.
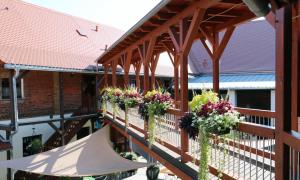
pixel 248 152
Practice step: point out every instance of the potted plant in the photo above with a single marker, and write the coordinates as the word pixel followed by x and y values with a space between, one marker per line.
pixel 152 172
pixel 132 156
pixel 210 115
pixel 155 103
pixel 104 99
pixel 113 95
pixel 35 146
pixel 129 99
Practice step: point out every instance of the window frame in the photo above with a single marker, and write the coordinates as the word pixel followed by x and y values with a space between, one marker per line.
pixel 21 86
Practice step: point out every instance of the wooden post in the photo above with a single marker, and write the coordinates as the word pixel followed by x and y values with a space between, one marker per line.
pixel 13 113
pixel 182 42
pixel 13 99
pixel 295 68
pixel 153 68
pixel 105 76
pixel 61 107
pixel 184 104
pixel 97 85
pixel 8 157
pixel 146 54
pixel 216 75
pixel 283 91
pixel 217 51
pixel 176 83
pixel 137 69
pixel 113 72
pixel 126 61
pixel 146 77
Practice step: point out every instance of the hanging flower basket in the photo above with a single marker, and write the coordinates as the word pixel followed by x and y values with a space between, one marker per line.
pixel 154 103
pixel 129 99
pixel 210 115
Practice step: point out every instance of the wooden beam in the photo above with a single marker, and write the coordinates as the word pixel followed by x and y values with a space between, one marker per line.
pixel 165 16
pixel 146 53
pixel 207 48
pixel 206 34
pixel 56 129
pixel 105 76
pixel 171 57
pixel 224 42
pixel 127 60
pixel 113 70
pixel 13 113
pixel 13 99
pixel 153 68
pixel 165 27
pixel 137 69
pixel 295 67
pixel 61 107
pixel 175 38
pixel 192 30
pixel 235 21
pixel 283 91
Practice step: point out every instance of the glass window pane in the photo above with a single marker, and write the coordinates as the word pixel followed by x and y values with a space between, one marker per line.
pixel 6 91
pixel 5 88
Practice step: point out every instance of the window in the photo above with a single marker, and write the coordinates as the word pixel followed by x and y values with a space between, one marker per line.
pixel 5 91
pixel 256 99
pixel 32 145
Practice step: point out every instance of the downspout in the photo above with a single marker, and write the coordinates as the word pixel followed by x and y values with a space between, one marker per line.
pixel 14 126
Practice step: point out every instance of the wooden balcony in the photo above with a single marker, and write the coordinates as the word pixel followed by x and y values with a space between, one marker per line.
pixel 246 153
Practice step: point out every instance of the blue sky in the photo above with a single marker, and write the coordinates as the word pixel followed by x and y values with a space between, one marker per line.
pixel 122 14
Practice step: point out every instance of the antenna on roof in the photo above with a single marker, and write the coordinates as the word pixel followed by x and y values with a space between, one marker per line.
pixel 6 8
pixel 105 49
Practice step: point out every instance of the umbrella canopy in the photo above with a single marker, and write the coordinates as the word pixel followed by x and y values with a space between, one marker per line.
pixel 92 155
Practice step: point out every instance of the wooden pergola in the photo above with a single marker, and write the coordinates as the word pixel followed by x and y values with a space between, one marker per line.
pixel 174 25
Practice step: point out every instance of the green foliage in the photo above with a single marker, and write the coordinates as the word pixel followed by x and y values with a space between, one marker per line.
pixel 204 146
pixel 35 146
pixel 155 103
pixel 151 127
pixel 218 123
pixel 152 172
pixel 205 97
pixel 132 156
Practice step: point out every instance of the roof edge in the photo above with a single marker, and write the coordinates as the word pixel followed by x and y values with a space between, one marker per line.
pixel 151 13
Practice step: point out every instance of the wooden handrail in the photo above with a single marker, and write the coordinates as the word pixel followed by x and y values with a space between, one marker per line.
pixel 176 112
pixel 292 139
pixel 256 112
pixel 244 111
pixel 257 129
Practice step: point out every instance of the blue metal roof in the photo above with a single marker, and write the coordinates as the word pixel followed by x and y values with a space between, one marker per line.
pixel 234 78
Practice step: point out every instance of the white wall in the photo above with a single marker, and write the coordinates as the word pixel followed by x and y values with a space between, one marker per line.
pixel 25 131
pixel 232 97
pixel 272 100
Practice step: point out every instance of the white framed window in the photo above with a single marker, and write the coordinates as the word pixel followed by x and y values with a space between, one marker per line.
pixel 5 89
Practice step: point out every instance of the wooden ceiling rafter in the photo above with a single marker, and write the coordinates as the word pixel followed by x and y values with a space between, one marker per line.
pixel 161 22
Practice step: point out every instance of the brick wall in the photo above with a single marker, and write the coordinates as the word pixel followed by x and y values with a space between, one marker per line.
pixel 39 94
pixel 72 91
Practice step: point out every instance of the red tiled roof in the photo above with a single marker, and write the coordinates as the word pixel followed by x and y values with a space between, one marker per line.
pixel 34 36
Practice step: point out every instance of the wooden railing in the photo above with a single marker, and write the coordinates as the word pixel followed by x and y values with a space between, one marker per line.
pixel 246 153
